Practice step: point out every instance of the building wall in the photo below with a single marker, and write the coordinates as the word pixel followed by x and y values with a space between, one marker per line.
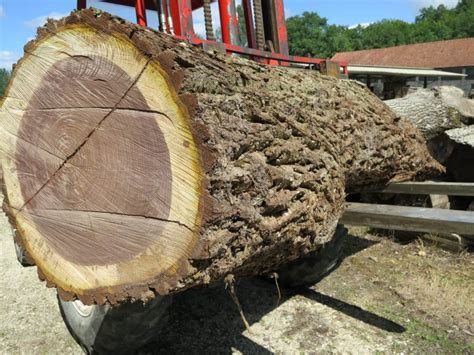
pixel 466 83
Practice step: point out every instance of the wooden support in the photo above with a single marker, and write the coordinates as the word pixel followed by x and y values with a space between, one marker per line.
pixel 430 187
pixel 417 219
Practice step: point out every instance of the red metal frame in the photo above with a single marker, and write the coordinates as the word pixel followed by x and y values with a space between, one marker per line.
pixel 182 21
pixel 182 15
pixel 166 13
pixel 150 4
pixel 249 24
pixel 141 12
pixel 281 28
pixel 229 22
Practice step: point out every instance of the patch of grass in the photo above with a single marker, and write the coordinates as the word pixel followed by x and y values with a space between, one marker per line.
pixel 425 336
pixel 433 338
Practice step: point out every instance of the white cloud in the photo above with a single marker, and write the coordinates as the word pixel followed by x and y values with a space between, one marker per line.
pixel 5 55
pixel 363 25
pixel 426 3
pixel 2 11
pixel 7 59
pixel 41 20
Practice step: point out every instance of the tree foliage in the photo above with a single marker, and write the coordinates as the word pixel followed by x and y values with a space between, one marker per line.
pixel 311 34
pixel 242 29
pixel 4 79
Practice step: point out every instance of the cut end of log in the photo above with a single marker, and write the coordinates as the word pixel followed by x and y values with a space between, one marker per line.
pixel 102 171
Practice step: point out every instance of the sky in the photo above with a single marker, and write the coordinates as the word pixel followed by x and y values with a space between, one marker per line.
pixel 20 18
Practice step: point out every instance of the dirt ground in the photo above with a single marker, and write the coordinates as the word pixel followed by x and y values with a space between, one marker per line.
pixel 385 297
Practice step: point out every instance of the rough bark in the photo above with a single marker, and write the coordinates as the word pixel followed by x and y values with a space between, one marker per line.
pixel 434 110
pixel 463 136
pixel 460 164
pixel 136 164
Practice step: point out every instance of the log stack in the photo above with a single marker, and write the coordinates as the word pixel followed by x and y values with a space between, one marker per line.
pixel 436 110
pixel 136 164
pixel 446 119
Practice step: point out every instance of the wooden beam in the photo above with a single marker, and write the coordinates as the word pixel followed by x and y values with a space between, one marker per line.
pixel 430 188
pixel 417 219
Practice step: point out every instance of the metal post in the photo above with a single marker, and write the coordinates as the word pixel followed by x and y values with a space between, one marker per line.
pixel 281 28
pixel 182 14
pixel 169 19
pixel 249 26
pixel 208 20
pixel 259 29
pixel 161 17
pixel 229 22
pixel 166 15
pixel 81 4
pixel 140 10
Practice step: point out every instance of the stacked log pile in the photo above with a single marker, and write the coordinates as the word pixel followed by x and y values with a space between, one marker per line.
pixel 445 117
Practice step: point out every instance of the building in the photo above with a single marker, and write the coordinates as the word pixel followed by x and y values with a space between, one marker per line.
pixel 416 65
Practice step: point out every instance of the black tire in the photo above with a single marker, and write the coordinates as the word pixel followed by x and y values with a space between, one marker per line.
pixel 314 267
pixel 21 254
pixel 123 329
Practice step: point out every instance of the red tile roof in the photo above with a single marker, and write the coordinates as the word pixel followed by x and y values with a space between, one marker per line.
pixel 441 54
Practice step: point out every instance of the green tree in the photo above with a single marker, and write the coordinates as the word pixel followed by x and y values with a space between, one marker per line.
pixel 337 40
pixel 310 34
pixel 242 29
pixel 4 79
pixel 306 34
pixel 386 33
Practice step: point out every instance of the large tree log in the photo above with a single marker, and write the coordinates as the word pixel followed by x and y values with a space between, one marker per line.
pixel 133 162
pixel 435 110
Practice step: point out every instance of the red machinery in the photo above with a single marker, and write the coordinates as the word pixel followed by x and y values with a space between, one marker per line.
pixel 264 22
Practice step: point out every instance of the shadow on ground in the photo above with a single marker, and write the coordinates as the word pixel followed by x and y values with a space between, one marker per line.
pixel 207 319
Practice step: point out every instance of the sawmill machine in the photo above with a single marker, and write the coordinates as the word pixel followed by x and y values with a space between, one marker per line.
pixel 266 34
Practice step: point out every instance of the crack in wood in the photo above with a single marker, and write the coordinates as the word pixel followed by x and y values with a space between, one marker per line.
pixel 59 108
pixel 133 109
pixel 147 111
pixel 30 143
pixel 76 56
pixel 181 224
pixel 69 157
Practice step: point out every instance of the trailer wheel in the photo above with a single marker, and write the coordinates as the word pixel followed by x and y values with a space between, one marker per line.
pixel 123 329
pixel 314 267
pixel 21 254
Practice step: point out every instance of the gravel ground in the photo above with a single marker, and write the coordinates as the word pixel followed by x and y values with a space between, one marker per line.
pixel 30 319
pixel 384 298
